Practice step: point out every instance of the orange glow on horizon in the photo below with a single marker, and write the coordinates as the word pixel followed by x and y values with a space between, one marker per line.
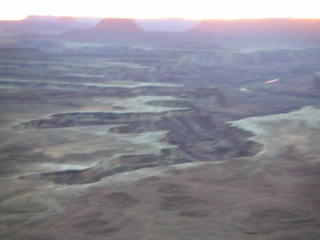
pixel 148 9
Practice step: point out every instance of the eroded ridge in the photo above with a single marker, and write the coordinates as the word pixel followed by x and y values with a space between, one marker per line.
pixel 91 118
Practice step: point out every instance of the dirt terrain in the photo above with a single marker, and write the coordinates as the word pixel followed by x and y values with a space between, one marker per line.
pixel 158 137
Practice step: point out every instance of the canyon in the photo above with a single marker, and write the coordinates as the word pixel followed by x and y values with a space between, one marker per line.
pixel 115 132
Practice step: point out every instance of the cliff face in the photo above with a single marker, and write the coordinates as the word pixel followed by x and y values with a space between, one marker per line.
pixel 117 25
pixel 316 85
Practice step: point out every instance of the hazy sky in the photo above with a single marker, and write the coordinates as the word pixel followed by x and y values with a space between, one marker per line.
pixel 192 9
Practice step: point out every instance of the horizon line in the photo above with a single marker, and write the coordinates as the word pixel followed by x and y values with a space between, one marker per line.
pixel 159 18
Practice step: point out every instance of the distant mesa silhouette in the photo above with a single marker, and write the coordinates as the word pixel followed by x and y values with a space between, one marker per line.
pixel 67 20
pixel 281 25
pixel 45 24
pixel 167 24
pixel 117 25
pixel 38 18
